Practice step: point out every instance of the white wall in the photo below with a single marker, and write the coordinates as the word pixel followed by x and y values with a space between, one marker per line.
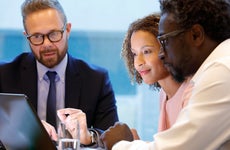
pixel 87 14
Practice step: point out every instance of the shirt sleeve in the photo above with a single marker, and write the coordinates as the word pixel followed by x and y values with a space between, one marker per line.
pixel 135 145
pixel 202 124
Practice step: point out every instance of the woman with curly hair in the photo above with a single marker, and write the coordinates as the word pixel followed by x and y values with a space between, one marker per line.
pixel 140 53
pixel 195 39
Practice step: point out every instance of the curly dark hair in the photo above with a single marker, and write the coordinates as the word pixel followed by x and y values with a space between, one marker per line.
pixel 212 15
pixel 150 24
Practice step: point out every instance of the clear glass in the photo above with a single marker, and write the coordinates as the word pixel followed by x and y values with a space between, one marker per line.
pixel 68 136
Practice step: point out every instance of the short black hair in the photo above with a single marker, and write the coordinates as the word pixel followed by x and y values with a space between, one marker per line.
pixel 212 15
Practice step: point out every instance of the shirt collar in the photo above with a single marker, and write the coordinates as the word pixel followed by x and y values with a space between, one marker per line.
pixel 60 69
pixel 220 51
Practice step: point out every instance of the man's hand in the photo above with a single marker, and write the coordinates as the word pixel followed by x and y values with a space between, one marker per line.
pixel 69 116
pixel 50 130
pixel 116 133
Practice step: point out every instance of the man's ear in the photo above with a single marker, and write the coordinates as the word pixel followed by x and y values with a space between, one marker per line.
pixel 24 33
pixel 198 35
pixel 68 29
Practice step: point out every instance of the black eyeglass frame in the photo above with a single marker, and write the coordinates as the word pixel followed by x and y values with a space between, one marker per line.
pixel 163 38
pixel 46 35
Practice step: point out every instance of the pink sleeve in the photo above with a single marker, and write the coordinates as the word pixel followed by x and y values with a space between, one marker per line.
pixel 161 124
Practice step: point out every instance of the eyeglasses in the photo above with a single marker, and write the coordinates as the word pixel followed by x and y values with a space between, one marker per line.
pixel 163 39
pixel 53 36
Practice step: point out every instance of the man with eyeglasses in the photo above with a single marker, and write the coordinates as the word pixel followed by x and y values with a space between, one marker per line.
pixel 83 92
pixel 195 39
pixel 53 36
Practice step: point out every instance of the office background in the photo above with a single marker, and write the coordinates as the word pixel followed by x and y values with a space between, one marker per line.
pixel 98 29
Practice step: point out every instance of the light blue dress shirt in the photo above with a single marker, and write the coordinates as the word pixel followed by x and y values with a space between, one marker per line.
pixel 43 86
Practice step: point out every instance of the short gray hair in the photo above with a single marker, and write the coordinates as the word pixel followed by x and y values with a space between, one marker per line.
pixel 31 6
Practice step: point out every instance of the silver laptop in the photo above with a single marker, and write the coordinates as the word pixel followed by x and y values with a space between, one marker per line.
pixel 20 127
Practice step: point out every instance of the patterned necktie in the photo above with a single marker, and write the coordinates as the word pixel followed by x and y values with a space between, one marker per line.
pixel 51 100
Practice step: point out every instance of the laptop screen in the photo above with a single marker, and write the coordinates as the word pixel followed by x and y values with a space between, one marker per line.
pixel 20 127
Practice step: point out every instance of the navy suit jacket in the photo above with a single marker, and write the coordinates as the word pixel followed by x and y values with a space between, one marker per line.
pixel 87 87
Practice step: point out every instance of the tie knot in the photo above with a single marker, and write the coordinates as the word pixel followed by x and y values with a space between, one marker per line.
pixel 51 75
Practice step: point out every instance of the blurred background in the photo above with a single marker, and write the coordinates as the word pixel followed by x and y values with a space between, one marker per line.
pixel 98 29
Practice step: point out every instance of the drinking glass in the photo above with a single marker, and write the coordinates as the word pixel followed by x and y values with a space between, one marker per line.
pixel 68 136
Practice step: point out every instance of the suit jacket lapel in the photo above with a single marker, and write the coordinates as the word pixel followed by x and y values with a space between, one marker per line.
pixel 73 81
pixel 29 79
pixel 73 84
